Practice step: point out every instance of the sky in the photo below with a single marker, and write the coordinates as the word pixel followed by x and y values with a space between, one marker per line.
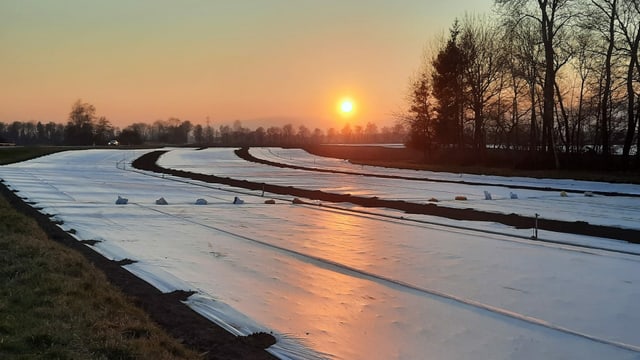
pixel 263 62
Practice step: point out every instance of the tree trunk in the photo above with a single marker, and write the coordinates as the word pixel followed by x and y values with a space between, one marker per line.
pixel 549 81
pixel 565 118
pixel 606 93
pixel 631 103
pixel 548 99
pixel 579 142
pixel 478 133
pixel 533 135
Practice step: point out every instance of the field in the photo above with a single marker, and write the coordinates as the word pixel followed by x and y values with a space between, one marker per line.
pixel 342 280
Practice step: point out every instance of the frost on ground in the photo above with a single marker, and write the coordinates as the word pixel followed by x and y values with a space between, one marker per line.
pixel 341 284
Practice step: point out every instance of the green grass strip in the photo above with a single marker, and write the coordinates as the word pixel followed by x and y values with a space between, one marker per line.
pixel 55 305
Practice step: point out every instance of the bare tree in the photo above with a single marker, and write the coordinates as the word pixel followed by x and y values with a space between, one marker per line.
pixel 274 134
pixel 371 132
pixel 303 134
pixel 347 133
pixel 80 128
pixel 421 117
pixel 318 135
pixel 287 133
pixel 525 58
pixel 628 21
pixel 104 131
pixel 483 62
pixel 602 19
pixel 583 64
pixel 552 17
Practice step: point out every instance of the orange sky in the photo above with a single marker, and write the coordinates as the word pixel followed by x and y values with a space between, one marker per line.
pixel 261 62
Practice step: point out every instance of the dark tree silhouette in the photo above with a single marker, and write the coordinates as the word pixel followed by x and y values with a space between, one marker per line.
pixel 130 136
pixel 448 90
pixel 80 127
pixel 421 118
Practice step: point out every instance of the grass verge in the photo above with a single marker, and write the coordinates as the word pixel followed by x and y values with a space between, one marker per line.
pixel 13 154
pixel 55 304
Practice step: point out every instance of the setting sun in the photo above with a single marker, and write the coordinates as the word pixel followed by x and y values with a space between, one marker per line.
pixel 346 106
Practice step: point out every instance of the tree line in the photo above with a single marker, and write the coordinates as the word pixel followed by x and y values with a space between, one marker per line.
pixel 555 81
pixel 85 128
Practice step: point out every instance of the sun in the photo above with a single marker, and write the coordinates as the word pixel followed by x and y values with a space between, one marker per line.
pixel 346 106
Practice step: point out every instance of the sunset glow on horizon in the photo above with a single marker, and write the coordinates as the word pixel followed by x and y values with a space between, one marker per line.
pixel 263 63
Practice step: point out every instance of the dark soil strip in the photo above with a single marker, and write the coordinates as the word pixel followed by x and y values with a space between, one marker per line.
pixel 148 162
pixel 244 154
pixel 176 318
pixel 90 242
